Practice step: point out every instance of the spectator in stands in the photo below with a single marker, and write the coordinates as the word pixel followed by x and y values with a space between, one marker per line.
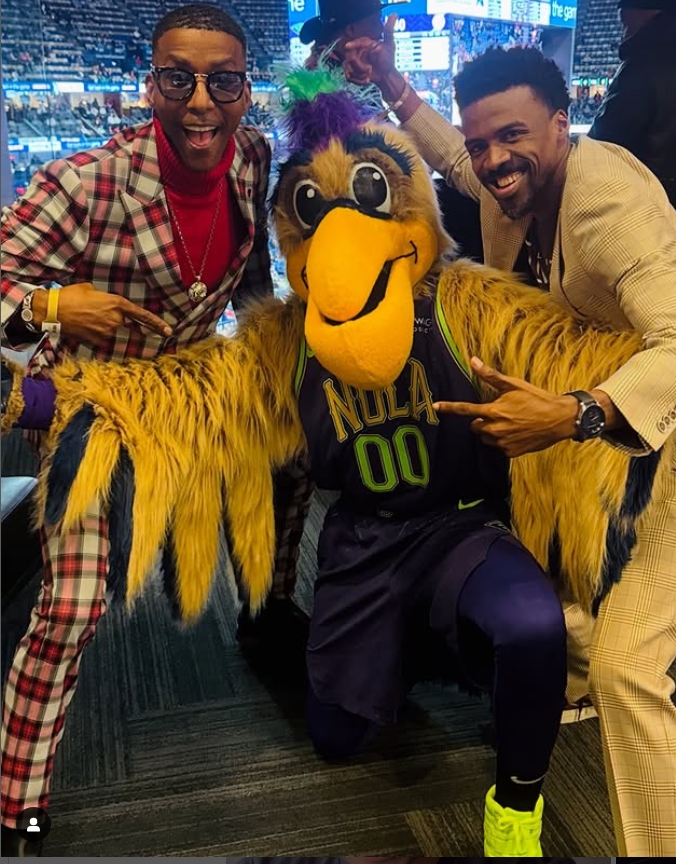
pixel 639 110
pixel 596 207
pixel 150 237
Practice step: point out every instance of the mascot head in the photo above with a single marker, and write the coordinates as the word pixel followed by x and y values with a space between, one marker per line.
pixel 358 223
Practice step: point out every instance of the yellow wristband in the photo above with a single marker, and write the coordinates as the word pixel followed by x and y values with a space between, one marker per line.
pixel 52 306
pixel 51 323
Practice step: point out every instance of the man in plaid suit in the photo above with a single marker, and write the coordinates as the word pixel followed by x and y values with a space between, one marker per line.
pixel 594 226
pixel 150 237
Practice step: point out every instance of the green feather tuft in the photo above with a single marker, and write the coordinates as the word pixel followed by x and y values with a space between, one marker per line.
pixel 307 84
pixel 296 84
pixel 304 85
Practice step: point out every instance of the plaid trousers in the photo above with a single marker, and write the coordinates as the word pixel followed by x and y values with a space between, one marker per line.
pixel 43 676
pixel 622 659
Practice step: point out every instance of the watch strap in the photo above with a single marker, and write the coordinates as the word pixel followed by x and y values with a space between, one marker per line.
pixel 583 397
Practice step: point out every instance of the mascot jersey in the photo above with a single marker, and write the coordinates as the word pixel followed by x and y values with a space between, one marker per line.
pixel 387 450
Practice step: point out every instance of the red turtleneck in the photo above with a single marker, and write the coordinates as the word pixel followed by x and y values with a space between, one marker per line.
pixel 193 196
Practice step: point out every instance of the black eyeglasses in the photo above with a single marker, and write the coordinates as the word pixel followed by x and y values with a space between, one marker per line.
pixel 178 85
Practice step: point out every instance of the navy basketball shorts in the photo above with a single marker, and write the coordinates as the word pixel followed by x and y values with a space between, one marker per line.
pixel 376 577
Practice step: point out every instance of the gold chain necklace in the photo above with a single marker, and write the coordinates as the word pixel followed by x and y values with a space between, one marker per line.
pixel 198 290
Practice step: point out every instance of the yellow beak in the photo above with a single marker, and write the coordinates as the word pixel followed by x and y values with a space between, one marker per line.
pixel 360 274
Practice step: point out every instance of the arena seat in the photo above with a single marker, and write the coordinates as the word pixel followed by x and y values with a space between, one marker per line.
pixel 21 557
pixel 597 38
pixel 111 42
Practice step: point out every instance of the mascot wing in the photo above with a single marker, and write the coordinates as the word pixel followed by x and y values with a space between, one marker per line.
pixel 575 506
pixel 171 446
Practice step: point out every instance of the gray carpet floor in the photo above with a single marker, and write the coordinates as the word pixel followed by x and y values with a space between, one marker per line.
pixel 175 746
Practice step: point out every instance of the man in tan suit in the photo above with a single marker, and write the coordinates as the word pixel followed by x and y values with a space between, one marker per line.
pixel 592 225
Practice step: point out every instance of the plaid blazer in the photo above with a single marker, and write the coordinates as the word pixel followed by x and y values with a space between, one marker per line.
pixel 614 257
pixel 101 216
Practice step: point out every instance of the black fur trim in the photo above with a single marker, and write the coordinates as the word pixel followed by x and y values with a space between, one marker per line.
pixel 170 576
pixel 554 558
pixel 67 459
pixel 121 523
pixel 642 470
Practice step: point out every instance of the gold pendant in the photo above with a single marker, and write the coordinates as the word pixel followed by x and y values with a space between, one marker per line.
pixel 197 291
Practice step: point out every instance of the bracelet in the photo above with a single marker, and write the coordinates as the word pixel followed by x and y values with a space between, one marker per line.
pixel 27 312
pixel 51 323
pixel 395 106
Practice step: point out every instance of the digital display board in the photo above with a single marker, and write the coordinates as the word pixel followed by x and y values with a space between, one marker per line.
pixel 422 53
pixel 554 13
pixel 298 52
pixel 548 13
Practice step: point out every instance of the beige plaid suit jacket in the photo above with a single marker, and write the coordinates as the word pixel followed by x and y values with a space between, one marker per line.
pixel 614 261
pixel 614 257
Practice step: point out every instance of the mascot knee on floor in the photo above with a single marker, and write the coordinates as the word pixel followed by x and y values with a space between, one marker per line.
pixel 173 445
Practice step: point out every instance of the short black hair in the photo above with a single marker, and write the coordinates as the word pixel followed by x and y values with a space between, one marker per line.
pixel 497 70
pixel 198 16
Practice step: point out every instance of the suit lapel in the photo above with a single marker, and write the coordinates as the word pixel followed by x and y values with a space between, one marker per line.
pixel 241 179
pixel 557 274
pixel 145 204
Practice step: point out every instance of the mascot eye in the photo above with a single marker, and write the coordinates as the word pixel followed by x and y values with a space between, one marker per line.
pixel 308 202
pixel 370 187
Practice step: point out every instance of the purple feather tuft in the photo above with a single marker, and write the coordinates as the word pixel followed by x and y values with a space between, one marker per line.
pixel 311 125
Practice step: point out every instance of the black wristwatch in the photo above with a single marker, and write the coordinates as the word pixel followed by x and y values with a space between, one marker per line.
pixel 591 418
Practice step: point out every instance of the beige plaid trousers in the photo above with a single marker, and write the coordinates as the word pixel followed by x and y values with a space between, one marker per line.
pixel 621 659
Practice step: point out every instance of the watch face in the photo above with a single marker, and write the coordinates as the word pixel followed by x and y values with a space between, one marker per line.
pixel 593 421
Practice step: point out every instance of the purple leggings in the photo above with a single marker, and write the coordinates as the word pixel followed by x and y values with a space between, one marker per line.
pixel 512 643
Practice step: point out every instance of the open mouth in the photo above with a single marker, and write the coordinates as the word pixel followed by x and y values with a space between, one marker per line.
pixel 506 185
pixel 378 291
pixel 200 136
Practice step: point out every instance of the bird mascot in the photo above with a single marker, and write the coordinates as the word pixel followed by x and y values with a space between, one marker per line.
pixel 381 324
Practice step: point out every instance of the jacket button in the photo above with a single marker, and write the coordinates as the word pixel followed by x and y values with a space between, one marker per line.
pixel 661 426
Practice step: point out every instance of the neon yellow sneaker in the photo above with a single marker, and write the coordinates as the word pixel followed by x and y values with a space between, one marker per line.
pixel 510 833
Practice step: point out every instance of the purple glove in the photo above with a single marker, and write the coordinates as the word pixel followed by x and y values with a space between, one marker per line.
pixel 39 396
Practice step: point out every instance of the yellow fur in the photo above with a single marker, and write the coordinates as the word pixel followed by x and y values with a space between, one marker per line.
pixel 204 429
pixel 15 403
pixel 570 489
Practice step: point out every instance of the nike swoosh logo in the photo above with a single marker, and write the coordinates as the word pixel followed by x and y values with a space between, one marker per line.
pixel 463 506
pixel 526 782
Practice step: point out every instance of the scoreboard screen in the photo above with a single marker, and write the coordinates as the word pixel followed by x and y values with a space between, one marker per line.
pixel 422 53
pixel 526 11
pixel 547 13
pixel 471 8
